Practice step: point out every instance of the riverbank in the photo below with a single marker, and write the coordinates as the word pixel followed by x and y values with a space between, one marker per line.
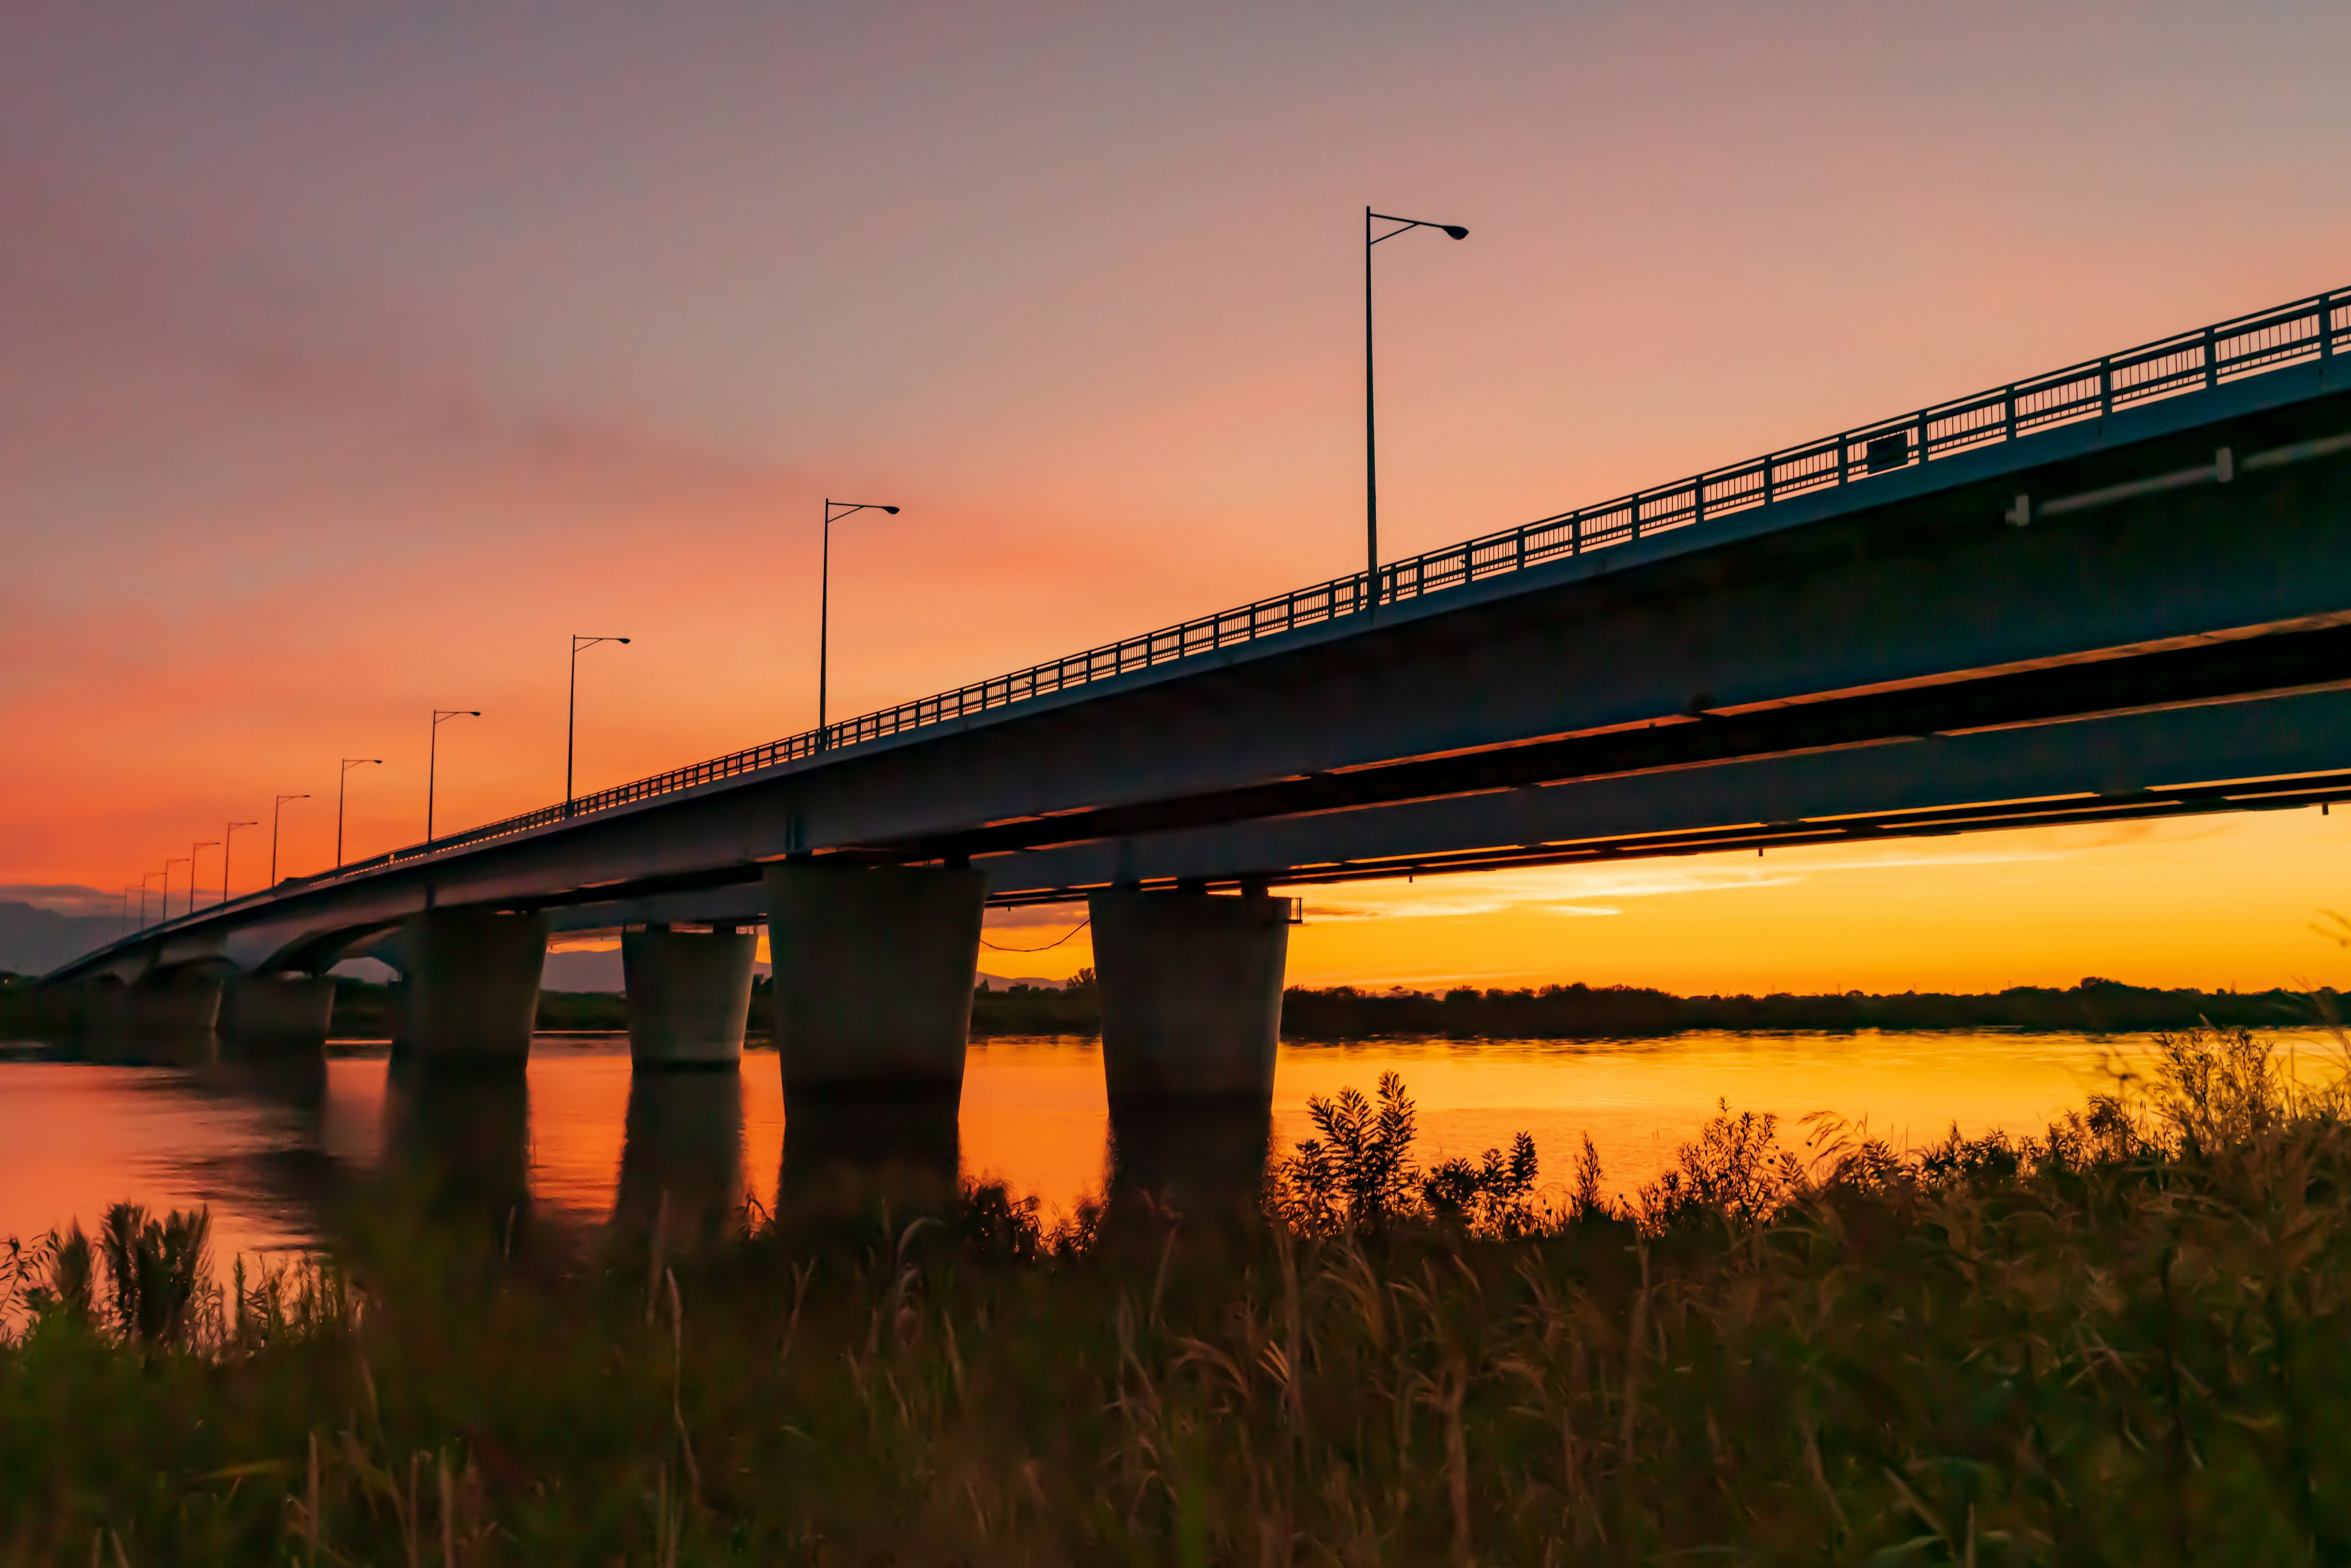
pixel 2121 1341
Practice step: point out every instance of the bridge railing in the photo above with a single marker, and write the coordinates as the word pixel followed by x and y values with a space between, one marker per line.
pixel 2315 327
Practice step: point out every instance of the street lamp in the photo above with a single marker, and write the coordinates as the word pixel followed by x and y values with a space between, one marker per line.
pixel 166 875
pixel 433 761
pixel 207 844
pixel 123 919
pixel 834 512
pixel 349 763
pixel 1371 442
pixel 168 863
pixel 275 807
pixel 227 835
pixel 572 710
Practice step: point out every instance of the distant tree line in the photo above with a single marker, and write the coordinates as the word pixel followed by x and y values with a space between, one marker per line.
pixel 2098 1006
pixel 1342 1012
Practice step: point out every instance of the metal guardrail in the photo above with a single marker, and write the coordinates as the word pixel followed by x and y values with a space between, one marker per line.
pixel 2315 327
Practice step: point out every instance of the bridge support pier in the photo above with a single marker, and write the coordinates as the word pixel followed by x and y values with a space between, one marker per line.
pixel 689 995
pixel 1191 995
pixel 874 967
pixel 94 1009
pixel 179 1007
pixel 279 1014
pixel 471 994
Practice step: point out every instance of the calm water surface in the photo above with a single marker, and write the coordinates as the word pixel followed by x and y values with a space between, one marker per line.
pixel 267 1151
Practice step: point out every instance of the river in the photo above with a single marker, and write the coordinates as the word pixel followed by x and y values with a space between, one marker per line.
pixel 266 1150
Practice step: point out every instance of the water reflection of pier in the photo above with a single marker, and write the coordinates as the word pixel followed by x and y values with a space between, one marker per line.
pixel 846 1151
pixel 463 1142
pixel 681 1150
pixel 1206 1156
pixel 330 1144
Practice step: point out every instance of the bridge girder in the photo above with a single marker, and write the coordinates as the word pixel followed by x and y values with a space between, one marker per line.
pixel 1838 656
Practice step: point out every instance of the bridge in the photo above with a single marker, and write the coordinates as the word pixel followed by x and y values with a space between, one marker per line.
pixel 2117 590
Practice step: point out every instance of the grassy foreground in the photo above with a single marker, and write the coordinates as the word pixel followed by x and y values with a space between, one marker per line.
pixel 2126 1341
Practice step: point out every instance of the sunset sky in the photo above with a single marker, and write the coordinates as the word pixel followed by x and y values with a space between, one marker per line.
pixel 353 357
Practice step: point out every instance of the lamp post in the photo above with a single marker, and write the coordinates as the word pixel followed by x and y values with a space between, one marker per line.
pixel 192 852
pixel 227 835
pixel 834 512
pixel 166 875
pixel 349 763
pixel 275 807
pixel 433 761
pixel 122 916
pixel 572 710
pixel 1371 440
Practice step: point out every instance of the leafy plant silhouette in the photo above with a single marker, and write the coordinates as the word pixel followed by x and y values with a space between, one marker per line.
pixel 1359 1175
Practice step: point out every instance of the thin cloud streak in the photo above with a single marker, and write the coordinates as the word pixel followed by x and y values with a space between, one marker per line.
pixel 1568 890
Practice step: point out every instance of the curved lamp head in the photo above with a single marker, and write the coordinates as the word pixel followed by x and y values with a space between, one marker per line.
pixel 892 510
pixel 1456 230
pixel 620 639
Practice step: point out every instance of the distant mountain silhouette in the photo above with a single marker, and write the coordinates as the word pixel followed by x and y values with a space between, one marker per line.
pixel 34 940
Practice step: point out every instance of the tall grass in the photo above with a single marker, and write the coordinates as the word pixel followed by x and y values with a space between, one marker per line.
pixel 2126 1339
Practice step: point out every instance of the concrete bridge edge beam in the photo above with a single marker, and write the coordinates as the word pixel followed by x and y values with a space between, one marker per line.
pixel 873 974
pixel 689 995
pixel 1191 995
pixel 470 998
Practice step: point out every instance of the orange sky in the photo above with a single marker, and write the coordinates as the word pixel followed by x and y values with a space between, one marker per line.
pixel 353 359
pixel 2213 902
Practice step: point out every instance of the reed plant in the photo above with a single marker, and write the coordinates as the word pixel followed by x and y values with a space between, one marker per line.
pixel 2124 1339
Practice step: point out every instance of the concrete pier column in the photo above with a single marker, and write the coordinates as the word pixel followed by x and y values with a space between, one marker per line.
pixel 689 995
pixel 874 968
pixel 97 1011
pixel 1191 994
pixel 472 992
pixel 277 1014
pixel 175 1007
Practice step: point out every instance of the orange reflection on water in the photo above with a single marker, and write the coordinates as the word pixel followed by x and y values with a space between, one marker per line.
pixel 269 1152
